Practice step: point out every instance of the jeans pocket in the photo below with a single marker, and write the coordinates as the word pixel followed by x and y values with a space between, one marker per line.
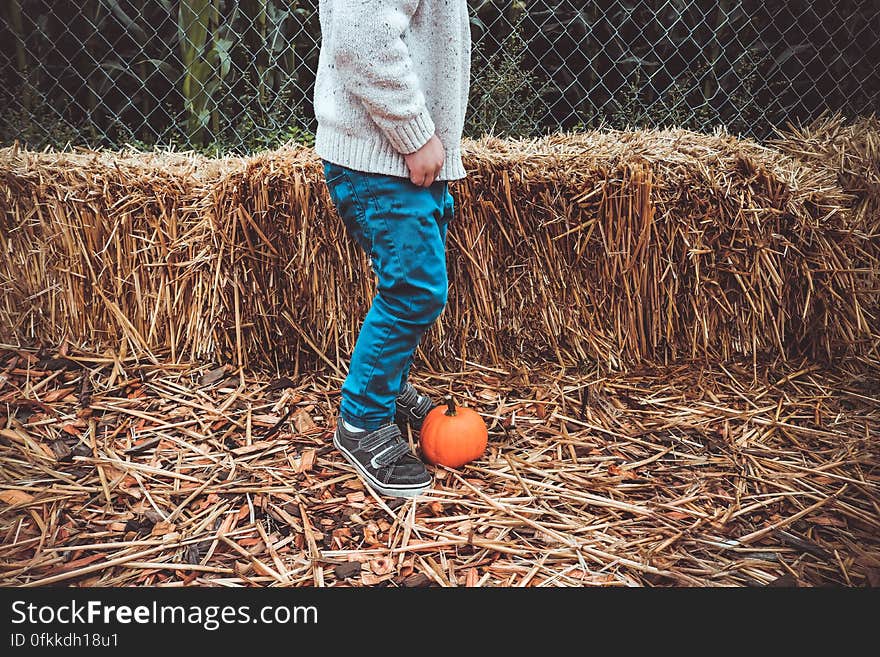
pixel 348 204
pixel 332 172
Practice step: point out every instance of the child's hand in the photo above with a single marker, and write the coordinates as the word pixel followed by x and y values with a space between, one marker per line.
pixel 425 163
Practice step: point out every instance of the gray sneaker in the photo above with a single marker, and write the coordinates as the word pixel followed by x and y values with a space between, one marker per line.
pixel 383 460
pixel 411 406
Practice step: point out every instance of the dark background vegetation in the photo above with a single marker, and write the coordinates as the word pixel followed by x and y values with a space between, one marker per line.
pixel 237 75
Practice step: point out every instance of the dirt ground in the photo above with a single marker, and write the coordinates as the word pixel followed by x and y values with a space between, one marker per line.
pixel 742 474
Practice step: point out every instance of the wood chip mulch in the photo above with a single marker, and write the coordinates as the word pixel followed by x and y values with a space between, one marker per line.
pixel 122 473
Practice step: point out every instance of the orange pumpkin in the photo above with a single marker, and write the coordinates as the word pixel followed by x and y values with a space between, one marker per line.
pixel 453 436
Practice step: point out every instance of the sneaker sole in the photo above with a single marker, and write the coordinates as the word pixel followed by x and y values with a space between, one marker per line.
pixel 402 490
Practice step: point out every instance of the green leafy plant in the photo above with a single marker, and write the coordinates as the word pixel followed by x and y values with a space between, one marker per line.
pixel 162 72
pixel 205 46
pixel 505 99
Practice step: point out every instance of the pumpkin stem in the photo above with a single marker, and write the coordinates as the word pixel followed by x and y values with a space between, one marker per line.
pixel 450 406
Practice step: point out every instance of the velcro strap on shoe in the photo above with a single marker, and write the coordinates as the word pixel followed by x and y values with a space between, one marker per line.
pixel 391 454
pixel 410 399
pixel 379 437
pixel 408 395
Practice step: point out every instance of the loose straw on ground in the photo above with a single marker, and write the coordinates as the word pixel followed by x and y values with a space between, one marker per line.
pixel 666 475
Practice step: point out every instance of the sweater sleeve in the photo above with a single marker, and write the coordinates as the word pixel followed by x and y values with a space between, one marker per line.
pixel 374 65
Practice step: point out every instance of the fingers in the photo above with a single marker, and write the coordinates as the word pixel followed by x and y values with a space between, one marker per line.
pixel 426 163
pixel 424 174
pixel 425 178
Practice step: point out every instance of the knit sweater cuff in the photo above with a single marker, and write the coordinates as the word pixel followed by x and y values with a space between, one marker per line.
pixel 411 136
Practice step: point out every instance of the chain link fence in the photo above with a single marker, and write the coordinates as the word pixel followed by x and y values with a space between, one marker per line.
pixel 238 75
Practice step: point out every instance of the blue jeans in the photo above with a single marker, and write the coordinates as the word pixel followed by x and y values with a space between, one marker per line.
pixel 402 227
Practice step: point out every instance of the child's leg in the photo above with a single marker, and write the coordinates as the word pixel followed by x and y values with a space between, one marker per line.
pixel 447 214
pixel 399 224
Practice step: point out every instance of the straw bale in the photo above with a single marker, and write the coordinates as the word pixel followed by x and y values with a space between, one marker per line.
pixel 605 247
pixel 851 150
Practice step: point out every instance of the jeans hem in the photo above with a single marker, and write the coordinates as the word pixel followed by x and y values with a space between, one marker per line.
pixel 364 424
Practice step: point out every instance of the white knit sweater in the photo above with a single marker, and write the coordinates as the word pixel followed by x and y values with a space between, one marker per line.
pixel 390 74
